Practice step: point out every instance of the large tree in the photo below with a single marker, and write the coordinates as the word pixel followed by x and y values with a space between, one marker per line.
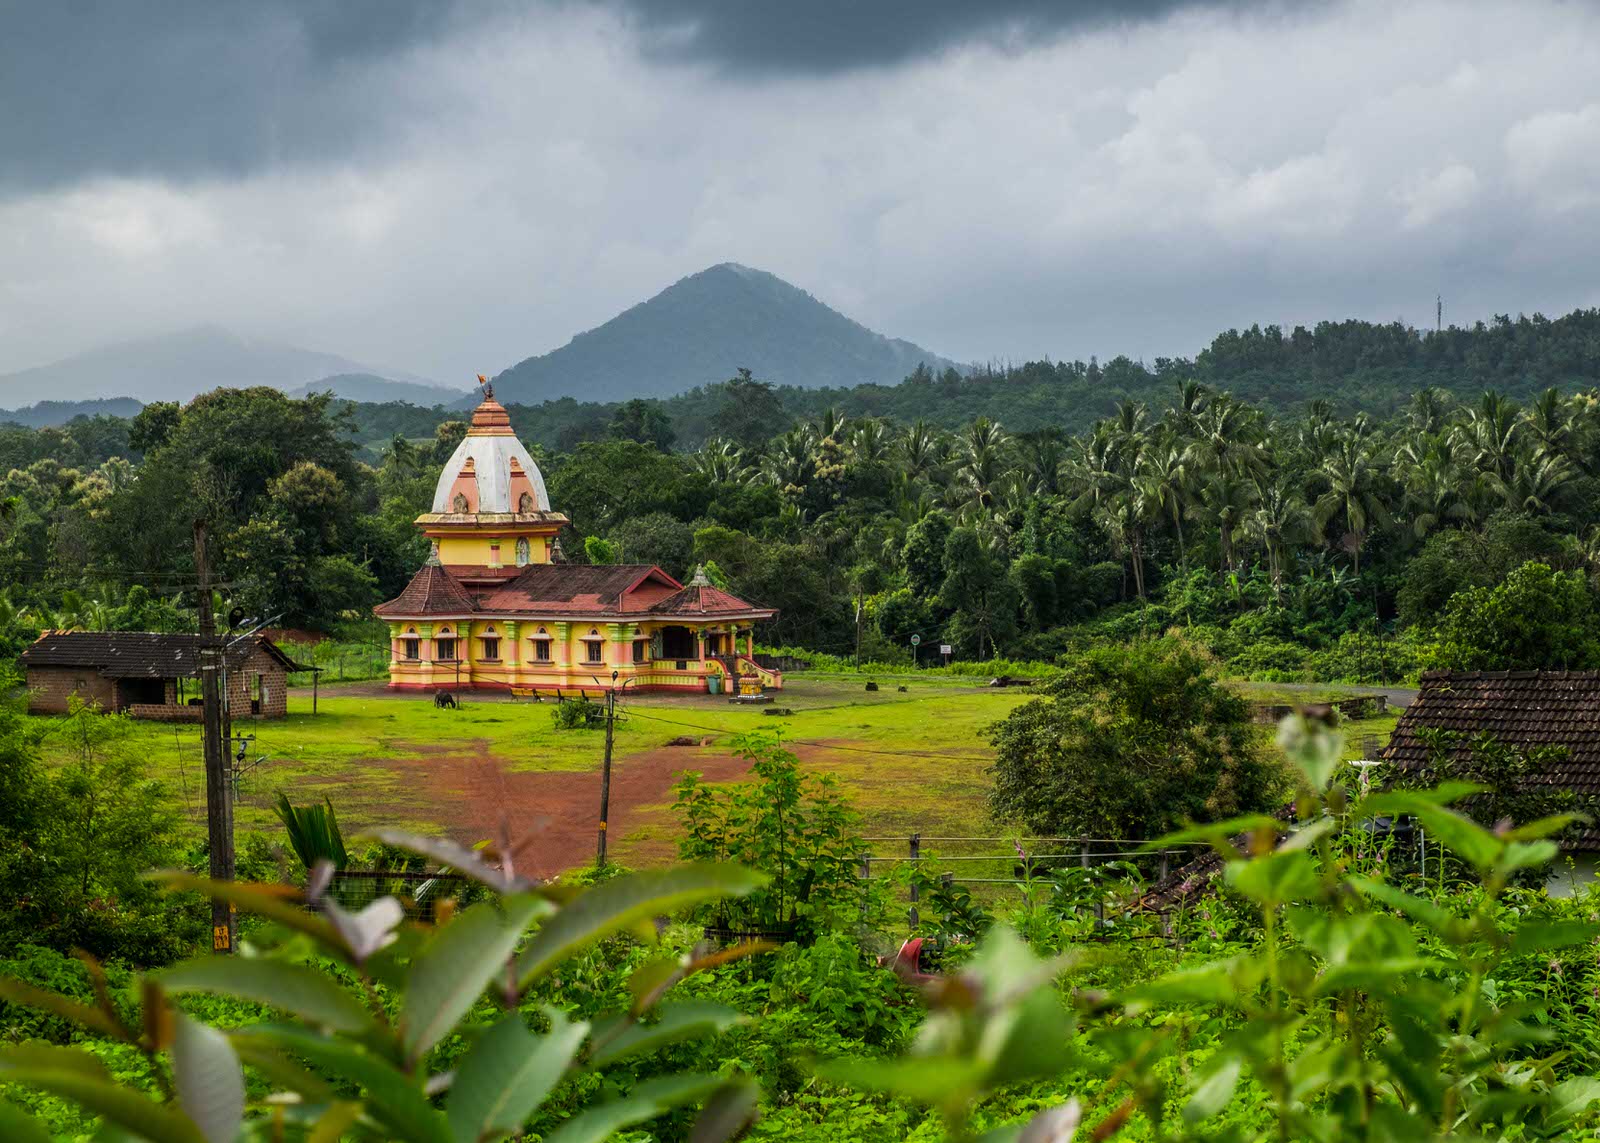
pixel 1130 743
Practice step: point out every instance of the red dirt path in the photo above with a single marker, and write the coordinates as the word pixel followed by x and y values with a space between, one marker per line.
pixel 552 815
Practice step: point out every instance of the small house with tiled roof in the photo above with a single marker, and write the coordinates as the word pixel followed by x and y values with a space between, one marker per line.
pixel 153 675
pixel 495 607
pixel 1517 708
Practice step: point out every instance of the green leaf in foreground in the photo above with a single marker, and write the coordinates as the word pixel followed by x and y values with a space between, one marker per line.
pixel 614 905
pixel 677 1022
pixel 17 1126
pixel 130 1110
pixel 209 1079
pixel 507 1073
pixel 646 1101
pixel 453 968
pixel 313 996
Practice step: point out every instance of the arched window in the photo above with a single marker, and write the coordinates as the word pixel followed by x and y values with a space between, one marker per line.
pixel 593 647
pixel 541 646
pixel 491 643
pixel 445 646
pixel 412 646
pixel 523 549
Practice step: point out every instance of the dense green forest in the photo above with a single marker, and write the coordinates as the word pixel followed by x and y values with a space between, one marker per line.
pixel 1292 531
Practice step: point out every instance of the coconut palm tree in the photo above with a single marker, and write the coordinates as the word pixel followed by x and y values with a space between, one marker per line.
pixel 1164 481
pixel 722 461
pixel 1280 519
pixel 921 450
pixel 1353 495
pixel 1224 502
pixel 1495 432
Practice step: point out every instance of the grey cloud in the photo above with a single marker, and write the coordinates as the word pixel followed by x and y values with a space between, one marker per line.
pixel 824 36
pixel 182 88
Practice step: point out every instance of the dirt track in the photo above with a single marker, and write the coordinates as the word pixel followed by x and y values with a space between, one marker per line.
pixel 552 814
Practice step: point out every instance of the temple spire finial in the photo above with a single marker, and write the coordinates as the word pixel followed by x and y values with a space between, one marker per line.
pixel 700 579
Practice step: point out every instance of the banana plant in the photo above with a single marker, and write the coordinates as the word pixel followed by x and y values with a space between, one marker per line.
pixel 344 1063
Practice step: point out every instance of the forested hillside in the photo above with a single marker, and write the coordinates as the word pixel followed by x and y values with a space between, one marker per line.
pixel 1356 366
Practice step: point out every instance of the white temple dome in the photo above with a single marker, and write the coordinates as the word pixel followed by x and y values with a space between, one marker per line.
pixel 490 471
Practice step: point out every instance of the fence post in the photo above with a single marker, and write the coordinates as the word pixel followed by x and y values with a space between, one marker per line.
pixel 916 854
pixel 1166 864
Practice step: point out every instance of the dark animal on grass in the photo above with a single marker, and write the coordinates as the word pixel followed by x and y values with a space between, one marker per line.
pixel 444 700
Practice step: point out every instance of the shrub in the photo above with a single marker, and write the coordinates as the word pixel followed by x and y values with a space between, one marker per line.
pixel 579 713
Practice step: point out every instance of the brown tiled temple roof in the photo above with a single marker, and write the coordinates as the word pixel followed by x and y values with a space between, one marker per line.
pixel 1518 708
pixel 581 590
pixel 700 600
pixel 432 591
pixel 139 654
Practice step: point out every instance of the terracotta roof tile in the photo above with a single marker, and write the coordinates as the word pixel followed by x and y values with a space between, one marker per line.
pixel 139 654
pixel 432 591
pixel 1518 708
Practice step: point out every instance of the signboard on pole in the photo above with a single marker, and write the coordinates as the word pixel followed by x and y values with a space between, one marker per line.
pixel 946 649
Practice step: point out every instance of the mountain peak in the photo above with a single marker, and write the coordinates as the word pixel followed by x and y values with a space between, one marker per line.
pixel 705 327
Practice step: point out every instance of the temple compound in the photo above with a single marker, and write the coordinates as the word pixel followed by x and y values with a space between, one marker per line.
pixel 496 607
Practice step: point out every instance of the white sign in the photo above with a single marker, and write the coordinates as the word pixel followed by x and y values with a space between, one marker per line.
pixel 915 639
pixel 946 649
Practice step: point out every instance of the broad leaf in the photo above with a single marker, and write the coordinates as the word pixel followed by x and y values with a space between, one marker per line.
pixel 646 1101
pixel 507 1073
pixel 21 992
pixel 1214 1092
pixel 17 1126
pixel 366 931
pixel 730 1112
pixel 313 996
pixel 933 1080
pixel 452 969
pixel 390 1096
pixel 1417 908
pixel 275 902
pixel 614 905
pixel 332 1124
pixel 209 1079
pixel 1216 832
pixel 32 1056
pixel 1540 936
pixel 1276 879
pixel 677 1022
pixel 459 858
pixel 130 1110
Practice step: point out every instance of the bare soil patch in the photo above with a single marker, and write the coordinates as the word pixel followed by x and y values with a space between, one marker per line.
pixel 553 815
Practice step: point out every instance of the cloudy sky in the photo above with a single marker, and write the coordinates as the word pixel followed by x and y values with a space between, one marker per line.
pixel 450 189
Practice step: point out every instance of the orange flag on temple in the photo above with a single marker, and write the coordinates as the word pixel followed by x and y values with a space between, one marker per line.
pixel 482 380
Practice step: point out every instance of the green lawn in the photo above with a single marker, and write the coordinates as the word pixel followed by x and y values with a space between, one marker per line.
pixel 912 761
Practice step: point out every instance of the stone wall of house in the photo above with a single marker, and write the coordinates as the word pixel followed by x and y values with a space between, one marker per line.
pixel 50 688
pixel 242 687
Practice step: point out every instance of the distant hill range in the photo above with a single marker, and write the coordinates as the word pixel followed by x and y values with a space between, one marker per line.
pixel 46 414
pixel 176 366
pixel 371 389
pixel 704 328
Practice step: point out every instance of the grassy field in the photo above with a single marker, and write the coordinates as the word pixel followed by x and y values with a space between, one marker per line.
pixel 912 761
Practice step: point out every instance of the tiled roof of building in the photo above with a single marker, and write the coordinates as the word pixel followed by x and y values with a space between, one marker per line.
pixel 139 654
pixel 586 589
pixel 582 590
pixel 432 591
pixel 706 601
pixel 1518 708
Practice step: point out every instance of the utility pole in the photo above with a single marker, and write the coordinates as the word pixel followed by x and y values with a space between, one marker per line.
pixel 605 773
pixel 858 629
pixel 219 797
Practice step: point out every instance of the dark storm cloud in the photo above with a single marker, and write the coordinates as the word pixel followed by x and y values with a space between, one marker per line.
pixel 824 36
pixel 177 89
pixel 196 87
